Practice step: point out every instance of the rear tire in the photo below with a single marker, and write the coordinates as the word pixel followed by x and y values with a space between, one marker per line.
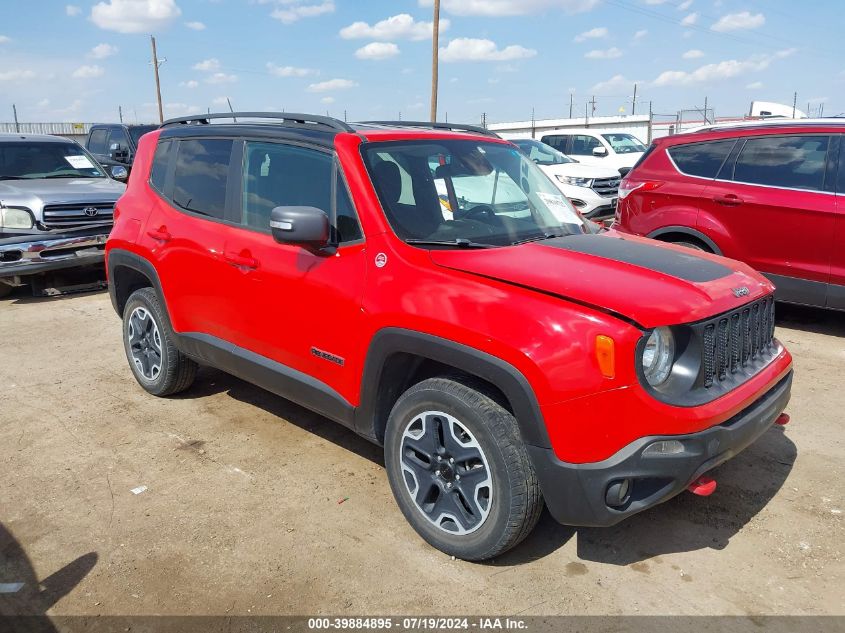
pixel 157 364
pixel 459 470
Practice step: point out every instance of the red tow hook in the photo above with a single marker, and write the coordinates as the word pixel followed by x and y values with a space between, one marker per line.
pixel 703 486
pixel 782 419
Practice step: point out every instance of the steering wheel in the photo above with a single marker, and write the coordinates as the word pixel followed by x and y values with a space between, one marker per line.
pixel 481 212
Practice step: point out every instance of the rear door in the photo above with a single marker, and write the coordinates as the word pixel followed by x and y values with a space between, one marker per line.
pixel 770 209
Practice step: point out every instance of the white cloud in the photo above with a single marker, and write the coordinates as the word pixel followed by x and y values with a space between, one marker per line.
pixel 220 101
pixel 292 11
pixel 43 103
pixel 134 16
pixel 686 4
pixel 693 54
pixel 689 20
pixel 88 72
pixel 592 34
pixel 221 78
pixel 719 71
pixel 498 8
pixel 739 21
pixel 16 74
pixel 639 35
pixel 614 85
pixel 327 100
pixel 173 109
pixel 191 83
pixel 101 51
pixel 195 26
pixel 610 53
pixel 377 51
pixel 654 2
pixel 72 10
pixel 396 27
pixel 207 64
pixel 754 85
pixel 4 39
pixel 332 84
pixel 288 71
pixel 467 49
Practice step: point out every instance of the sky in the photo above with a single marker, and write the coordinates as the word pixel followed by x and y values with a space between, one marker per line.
pixel 370 59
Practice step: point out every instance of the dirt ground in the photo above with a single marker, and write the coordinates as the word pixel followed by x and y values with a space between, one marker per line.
pixel 240 513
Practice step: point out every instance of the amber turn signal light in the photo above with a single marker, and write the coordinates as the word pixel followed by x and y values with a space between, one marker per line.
pixel 606 355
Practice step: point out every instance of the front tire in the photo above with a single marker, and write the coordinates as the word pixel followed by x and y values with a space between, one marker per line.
pixel 157 364
pixel 459 470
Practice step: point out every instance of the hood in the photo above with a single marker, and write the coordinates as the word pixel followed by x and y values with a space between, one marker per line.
pixel 644 281
pixel 579 170
pixel 36 193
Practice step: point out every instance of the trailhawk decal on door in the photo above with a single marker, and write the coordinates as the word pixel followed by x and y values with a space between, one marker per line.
pixel 337 360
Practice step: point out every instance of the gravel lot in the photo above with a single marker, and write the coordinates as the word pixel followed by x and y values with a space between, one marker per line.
pixel 240 513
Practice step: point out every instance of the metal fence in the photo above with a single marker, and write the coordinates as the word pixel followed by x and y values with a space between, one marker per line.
pixel 74 131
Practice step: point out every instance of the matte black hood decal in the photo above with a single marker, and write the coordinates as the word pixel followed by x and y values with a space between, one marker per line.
pixel 664 260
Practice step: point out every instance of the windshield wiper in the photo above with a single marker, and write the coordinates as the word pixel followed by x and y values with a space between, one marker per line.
pixel 459 242
pixel 67 176
pixel 12 178
pixel 538 238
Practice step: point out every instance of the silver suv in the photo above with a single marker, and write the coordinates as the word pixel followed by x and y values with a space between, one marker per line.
pixel 56 206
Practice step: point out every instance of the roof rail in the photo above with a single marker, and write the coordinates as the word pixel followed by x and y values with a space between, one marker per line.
pixel 294 118
pixel 437 125
pixel 773 122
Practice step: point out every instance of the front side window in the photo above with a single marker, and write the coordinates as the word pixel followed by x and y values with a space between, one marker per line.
pixel 485 193
pixel 541 153
pixel 583 145
pixel 795 162
pixel 277 175
pixel 118 138
pixel 200 176
pixel 624 143
pixel 34 159
pixel 701 159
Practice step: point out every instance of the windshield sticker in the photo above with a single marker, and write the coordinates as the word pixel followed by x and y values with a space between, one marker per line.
pixel 79 162
pixel 558 205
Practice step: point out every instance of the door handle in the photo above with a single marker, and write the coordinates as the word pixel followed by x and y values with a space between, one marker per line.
pixel 160 234
pixel 241 261
pixel 728 199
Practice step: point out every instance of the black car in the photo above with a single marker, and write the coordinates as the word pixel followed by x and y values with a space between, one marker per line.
pixel 115 143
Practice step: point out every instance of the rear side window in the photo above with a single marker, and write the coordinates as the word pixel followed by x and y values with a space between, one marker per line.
pixel 200 176
pixel 558 142
pixel 97 141
pixel 795 162
pixel 161 162
pixel 701 159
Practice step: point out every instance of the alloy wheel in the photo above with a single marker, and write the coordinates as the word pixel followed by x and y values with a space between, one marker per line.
pixel 145 343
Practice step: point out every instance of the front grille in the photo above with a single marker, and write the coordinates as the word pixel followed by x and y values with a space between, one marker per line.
pixel 607 187
pixel 735 341
pixel 74 215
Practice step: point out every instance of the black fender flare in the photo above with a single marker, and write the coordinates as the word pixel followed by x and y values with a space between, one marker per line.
pixel 120 258
pixel 507 378
pixel 685 230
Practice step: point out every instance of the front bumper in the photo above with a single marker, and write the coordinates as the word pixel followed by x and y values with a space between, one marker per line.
pixel 31 254
pixel 575 493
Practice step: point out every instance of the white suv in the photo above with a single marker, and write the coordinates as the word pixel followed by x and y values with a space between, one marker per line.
pixel 605 148
pixel 592 190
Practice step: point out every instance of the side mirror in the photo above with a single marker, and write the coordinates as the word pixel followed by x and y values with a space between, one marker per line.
pixel 119 172
pixel 116 152
pixel 623 171
pixel 601 150
pixel 306 226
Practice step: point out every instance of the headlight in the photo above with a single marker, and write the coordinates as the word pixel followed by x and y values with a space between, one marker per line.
pixel 576 182
pixel 658 356
pixel 15 219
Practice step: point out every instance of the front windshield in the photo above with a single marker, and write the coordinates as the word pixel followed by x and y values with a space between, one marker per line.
pixel 481 192
pixel 543 154
pixel 137 131
pixel 45 159
pixel 624 143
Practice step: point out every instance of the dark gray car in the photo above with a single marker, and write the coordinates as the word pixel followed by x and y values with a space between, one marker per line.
pixel 56 206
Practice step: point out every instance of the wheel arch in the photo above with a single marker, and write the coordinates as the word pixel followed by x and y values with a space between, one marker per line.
pixel 398 358
pixel 684 232
pixel 128 272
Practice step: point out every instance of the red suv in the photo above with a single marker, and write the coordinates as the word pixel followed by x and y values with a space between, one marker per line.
pixel 770 194
pixel 502 353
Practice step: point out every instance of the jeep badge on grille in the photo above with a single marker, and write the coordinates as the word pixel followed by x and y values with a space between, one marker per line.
pixel 742 291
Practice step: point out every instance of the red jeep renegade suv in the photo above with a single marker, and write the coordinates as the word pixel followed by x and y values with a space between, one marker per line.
pixel 502 353
pixel 770 194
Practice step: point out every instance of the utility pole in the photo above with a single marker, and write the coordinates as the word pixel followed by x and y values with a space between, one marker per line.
pixel 120 113
pixel 794 103
pixel 650 123
pixel 634 101
pixel 571 103
pixel 435 54
pixel 15 113
pixel 705 111
pixel 232 110
pixel 484 120
pixel 593 103
pixel 533 126
pixel 156 64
